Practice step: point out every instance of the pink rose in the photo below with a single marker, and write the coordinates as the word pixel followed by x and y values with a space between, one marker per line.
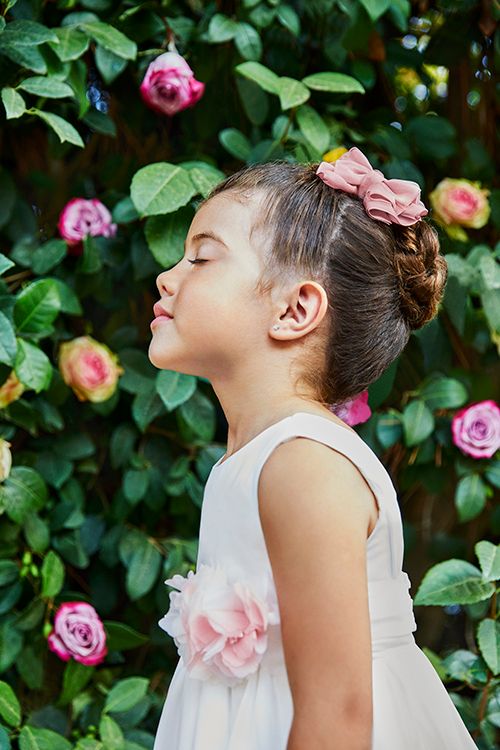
pixel 79 633
pixel 10 390
pixel 169 84
pixel 220 628
pixel 476 429
pixel 355 410
pixel 89 368
pixel 460 203
pixel 81 218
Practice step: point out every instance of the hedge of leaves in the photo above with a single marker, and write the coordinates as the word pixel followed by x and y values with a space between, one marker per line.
pixel 102 479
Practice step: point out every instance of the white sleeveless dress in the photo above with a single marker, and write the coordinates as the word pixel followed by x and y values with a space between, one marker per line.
pixel 411 707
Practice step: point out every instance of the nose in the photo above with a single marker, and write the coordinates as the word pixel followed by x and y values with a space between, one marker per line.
pixel 165 282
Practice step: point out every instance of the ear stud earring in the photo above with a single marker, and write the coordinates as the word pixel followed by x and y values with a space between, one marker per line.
pixel 275 327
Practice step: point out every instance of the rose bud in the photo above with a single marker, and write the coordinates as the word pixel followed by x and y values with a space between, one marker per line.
pixel 169 85
pixel 91 369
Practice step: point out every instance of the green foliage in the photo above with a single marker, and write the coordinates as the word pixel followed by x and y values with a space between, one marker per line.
pixel 102 501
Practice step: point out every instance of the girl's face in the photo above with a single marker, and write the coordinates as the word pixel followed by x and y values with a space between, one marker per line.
pixel 218 322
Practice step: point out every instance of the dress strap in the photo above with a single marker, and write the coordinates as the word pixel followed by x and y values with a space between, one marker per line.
pixel 351 445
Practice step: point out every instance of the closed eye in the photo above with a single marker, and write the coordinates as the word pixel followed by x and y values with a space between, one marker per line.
pixel 198 260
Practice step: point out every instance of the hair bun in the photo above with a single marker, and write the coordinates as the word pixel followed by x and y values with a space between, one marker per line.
pixel 421 272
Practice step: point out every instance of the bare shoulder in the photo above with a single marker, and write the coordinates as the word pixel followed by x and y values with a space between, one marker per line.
pixel 308 469
pixel 314 510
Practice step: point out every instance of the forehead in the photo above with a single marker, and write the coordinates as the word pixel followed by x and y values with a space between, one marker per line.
pixel 229 215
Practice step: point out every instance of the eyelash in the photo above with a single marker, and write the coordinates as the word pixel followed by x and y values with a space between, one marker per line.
pixel 198 260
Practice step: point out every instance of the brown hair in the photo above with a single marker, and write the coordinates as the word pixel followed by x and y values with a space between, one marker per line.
pixel 382 280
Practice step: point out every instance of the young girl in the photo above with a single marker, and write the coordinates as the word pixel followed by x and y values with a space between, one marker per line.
pixel 300 284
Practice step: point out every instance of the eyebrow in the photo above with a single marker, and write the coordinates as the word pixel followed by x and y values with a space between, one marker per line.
pixel 207 235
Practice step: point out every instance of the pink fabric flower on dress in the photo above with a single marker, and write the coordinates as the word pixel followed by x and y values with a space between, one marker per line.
pixel 391 201
pixel 220 627
pixel 78 633
pixel 476 429
pixel 355 410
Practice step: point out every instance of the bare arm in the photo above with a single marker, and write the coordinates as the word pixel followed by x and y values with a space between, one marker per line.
pixel 314 507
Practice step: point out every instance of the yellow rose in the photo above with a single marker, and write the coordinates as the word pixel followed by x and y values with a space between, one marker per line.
pixel 334 154
pixel 10 390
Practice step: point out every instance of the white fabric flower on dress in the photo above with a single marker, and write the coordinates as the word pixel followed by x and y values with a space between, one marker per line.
pixel 220 627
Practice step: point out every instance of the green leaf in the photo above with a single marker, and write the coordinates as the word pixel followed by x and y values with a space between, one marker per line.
pixel 33 367
pixel 288 18
pixel 198 414
pixel 488 638
pixel 73 43
pixel 39 738
pixel 111 734
pixel 221 28
pixel 143 570
pixel 444 393
pixel 27 57
pixel 109 64
pixel 125 694
pixel 165 236
pixel 135 484
pixel 333 83
pixel 9 572
pixel 174 388
pixel 388 429
pixel 51 88
pixel 418 422
pixel 36 306
pixel 10 708
pixel 63 129
pixel 161 188
pixel 235 143
pixel 76 676
pixel 248 42
pixel 489 559
pixel 466 666
pixel 146 406
pixel 14 104
pixel 433 137
pixel 254 100
pixel 23 492
pixel 313 127
pixel 492 472
pixel 47 256
pixel 8 341
pixel 453 582
pixel 121 637
pixel 375 8
pixel 490 301
pixel 112 39
pixel 37 533
pixel 470 497
pixel 292 93
pixel 53 573
pixel 24 33
pixel 265 78
pixel 203 176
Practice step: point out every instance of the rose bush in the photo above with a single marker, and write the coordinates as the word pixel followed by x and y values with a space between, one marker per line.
pixel 106 458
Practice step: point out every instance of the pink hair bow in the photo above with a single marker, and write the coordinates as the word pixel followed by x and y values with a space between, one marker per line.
pixel 390 201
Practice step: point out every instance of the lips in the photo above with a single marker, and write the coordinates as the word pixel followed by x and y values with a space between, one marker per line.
pixel 159 311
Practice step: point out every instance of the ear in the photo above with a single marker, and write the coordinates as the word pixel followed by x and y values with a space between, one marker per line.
pixel 305 306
